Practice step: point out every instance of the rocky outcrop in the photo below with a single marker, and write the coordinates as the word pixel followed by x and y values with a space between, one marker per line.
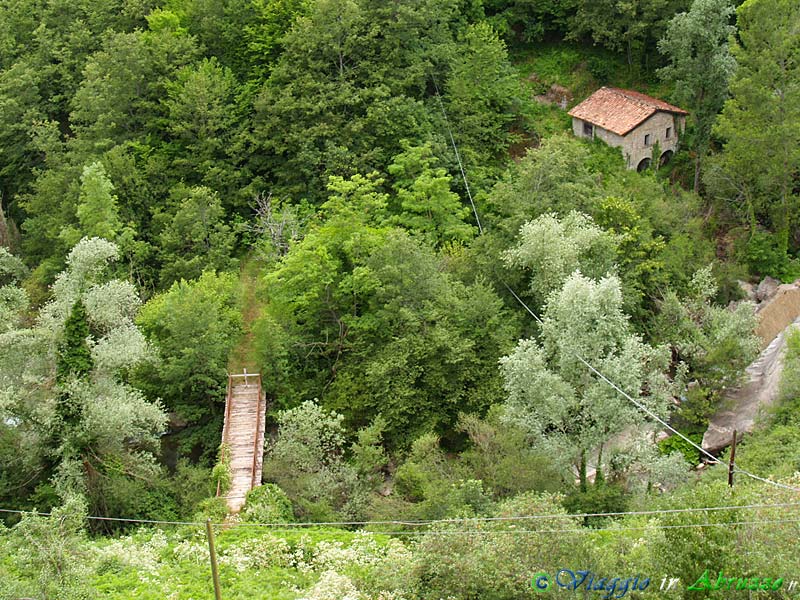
pixel 778 310
pixel 741 407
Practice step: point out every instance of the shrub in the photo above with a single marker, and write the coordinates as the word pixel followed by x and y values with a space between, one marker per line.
pixel 212 508
pixel 601 67
pixel 267 503
pixel 602 497
pixel 676 443
pixel 221 473
pixel 764 256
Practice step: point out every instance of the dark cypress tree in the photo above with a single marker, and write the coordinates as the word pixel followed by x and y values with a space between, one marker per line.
pixel 74 357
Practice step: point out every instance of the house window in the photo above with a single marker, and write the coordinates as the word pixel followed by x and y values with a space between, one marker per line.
pixel 588 129
pixel 669 132
pixel 646 139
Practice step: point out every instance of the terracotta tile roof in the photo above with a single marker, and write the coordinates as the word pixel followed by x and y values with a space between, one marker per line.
pixel 620 110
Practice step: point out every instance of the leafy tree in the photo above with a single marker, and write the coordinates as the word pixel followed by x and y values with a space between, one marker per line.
pixel 202 121
pixel 91 423
pixel 760 123
pixel 355 296
pixel 426 203
pixel 123 84
pixel 556 399
pixel 550 250
pixel 194 325
pixel 716 343
pixel 195 237
pixel 427 343
pixel 315 290
pixel 13 299
pixel 355 79
pixel 555 177
pixel 54 549
pixel 530 20
pixel 307 461
pixel 325 110
pixel 630 27
pixel 461 565
pixel 97 205
pixel 481 93
pixel 501 457
pixel 700 66
pixel 74 357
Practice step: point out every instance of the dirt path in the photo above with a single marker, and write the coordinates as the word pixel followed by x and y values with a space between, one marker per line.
pixel 243 355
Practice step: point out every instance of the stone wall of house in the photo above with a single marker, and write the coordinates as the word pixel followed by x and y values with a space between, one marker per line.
pixel 610 138
pixel 633 146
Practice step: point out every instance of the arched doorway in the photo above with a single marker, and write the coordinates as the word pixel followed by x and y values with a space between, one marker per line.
pixel 665 158
pixel 643 165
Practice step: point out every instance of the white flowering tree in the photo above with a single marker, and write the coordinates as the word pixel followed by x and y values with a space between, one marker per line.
pixel 62 380
pixel 554 396
pixel 550 248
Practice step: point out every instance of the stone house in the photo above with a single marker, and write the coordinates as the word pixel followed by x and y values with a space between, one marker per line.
pixel 632 121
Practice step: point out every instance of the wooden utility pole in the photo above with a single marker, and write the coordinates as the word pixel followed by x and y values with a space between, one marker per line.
pixel 732 460
pixel 213 554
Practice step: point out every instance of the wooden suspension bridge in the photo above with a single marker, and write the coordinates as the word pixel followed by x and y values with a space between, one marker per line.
pixel 243 435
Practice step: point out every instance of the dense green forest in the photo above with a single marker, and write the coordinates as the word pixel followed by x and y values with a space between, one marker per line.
pixel 377 206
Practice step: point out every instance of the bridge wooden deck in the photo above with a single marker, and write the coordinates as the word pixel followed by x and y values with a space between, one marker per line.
pixel 243 433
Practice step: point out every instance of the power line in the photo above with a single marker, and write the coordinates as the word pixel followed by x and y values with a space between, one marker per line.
pixel 294 526
pixel 583 529
pixel 443 532
pixel 458 156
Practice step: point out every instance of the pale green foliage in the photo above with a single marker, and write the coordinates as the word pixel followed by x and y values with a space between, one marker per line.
pixel 54 549
pixel 715 342
pixel 86 263
pixel 267 503
pixel 551 178
pixel 116 417
pixel 495 563
pixel 551 393
pixel 501 457
pixel 11 267
pixel 13 299
pixel 98 214
pixel 111 304
pixel 306 460
pixel 112 417
pixel 640 463
pixel 551 249
pixel 333 586
pixel 790 379
pixel 309 436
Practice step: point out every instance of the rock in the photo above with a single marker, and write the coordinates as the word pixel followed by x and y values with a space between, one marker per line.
pixel 741 407
pixel 748 289
pixel 778 312
pixel 176 421
pixel 767 288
